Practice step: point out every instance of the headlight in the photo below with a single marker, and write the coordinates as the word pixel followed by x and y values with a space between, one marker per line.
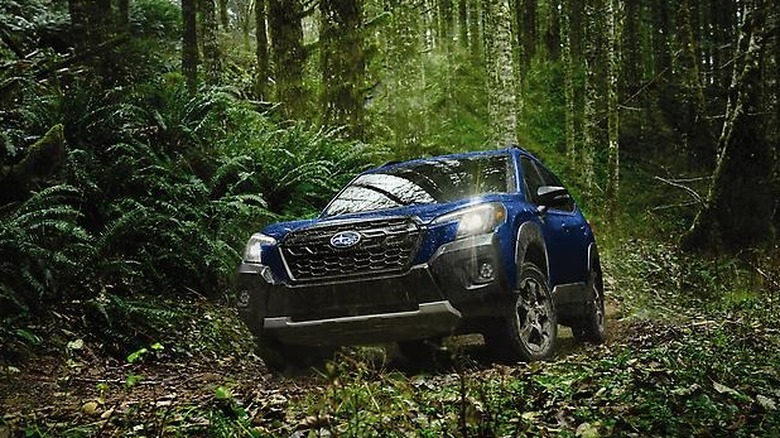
pixel 254 247
pixel 479 219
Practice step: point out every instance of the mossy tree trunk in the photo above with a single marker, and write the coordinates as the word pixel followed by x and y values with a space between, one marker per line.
pixel 343 64
pixel 568 81
pixel 499 67
pixel 284 19
pixel 212 60
pixel 614 31
pixel 189 60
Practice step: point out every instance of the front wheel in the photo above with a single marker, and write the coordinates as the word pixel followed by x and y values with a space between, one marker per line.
pixel 530 331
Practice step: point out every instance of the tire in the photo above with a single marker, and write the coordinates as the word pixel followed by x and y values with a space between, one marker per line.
pixel 592 326
pixel 281 357
pixel 530 331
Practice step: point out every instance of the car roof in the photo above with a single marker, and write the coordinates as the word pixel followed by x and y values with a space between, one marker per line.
pixel 489 152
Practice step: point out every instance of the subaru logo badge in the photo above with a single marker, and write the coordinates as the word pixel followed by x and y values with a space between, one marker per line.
pixel 345 239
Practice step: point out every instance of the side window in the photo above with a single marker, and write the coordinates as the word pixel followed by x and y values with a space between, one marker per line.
pixel 550 179
pixel 531 178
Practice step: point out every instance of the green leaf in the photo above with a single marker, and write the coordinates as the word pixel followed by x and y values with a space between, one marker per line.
pixel 28 336
pixel 133 357
pixel 157 346
pixel 132 380
pixel 223 393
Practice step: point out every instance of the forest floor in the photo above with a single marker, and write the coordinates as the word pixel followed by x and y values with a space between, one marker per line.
pixel 666 369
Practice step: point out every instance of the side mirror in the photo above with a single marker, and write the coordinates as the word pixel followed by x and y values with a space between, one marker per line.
pixel 552 196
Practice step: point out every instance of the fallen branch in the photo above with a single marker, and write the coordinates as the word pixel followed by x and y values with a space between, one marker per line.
pixel 690 191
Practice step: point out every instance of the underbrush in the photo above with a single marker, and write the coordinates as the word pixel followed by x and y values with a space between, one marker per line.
pixel 156 197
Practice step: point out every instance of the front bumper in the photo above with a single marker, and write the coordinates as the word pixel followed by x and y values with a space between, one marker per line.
pixel 430 299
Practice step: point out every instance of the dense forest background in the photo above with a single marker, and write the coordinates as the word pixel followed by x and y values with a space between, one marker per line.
pixel 145 140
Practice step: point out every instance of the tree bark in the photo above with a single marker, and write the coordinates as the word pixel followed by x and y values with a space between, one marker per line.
pixel 614 28
pixel 499 69
pixel 568 81
pixel 212 61
pixel 475 29
pixel 697 138
pixel 261 50
pixel 284 19
pixel 343 64
pixel 593 43
pixel 224 19
pixel 189 60
pixel 123 10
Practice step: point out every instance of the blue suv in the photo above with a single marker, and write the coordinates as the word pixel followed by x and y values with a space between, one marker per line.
pixel 483 242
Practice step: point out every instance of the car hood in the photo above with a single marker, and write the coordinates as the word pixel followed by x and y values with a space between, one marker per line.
pixel 424 212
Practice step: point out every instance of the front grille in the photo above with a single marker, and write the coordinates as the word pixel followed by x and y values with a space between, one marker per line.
pixel 386 246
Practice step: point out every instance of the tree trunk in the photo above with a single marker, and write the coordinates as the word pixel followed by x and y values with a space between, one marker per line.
pixel 527 26
pixel 284 19
pixel 614 29
pixel 738 209
pixel 261 50
pixel 699 143
pixel 123 8
pixel 553 36
pixel 224 20
pixel 79 23
pixel 475 29
pixel 499 69
pixel 212 62
pixel 189 60
pixel 343 65
pixel 568 81
pixel 463 27
pixel 593 67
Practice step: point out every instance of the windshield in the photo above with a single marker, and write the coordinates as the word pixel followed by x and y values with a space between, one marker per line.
pixel 424 182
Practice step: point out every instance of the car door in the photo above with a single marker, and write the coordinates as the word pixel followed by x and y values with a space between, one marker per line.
pixel 564 228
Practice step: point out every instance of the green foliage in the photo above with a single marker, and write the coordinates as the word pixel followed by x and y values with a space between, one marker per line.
pixel 41 245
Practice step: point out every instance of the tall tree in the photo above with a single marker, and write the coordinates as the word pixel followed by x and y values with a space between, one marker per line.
pixel 568 80
pixel 284 20
pixel 694 122
pixel 123 9
pixel 475 29
pixel 212 60
pixel 499 67
pixel 224 19
pixel 261 50
pixel 739 206
pixel 614 30
pixel 189 58
pixel 343 64
pixel 593 45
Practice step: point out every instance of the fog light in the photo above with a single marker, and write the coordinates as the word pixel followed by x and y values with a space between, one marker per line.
pixel 267 275
pixel 486 271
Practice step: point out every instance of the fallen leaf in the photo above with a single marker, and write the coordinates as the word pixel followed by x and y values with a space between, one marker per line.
pixel 723 389
pixel 78 344
pixel 766 402
pixel 107 414
pixel 90 408
pixel 587 430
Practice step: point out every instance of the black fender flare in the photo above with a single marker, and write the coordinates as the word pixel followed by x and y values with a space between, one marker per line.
pixel 529 235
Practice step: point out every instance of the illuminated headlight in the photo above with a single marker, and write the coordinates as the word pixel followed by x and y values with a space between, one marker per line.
pixel 254 247
pixel 479 219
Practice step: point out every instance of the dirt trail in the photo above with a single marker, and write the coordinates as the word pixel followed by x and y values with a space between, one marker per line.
pixel 89 390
